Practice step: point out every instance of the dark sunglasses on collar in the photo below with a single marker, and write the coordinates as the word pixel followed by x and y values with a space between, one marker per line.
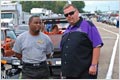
pixel 70 13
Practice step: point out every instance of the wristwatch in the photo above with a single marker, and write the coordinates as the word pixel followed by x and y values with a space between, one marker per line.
pixel 93 65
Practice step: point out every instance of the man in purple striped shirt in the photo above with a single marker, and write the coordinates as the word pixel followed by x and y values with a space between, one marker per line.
pixel 80 46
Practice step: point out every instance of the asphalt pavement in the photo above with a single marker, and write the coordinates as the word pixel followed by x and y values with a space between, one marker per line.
pixel 108 34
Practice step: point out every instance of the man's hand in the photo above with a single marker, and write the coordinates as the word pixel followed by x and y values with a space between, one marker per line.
pixel 93 69
pixel 8 53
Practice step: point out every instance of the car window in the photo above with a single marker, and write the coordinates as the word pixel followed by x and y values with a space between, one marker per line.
pixel 11 34
pixel 60 22
pixel 2 36
pixel 63 26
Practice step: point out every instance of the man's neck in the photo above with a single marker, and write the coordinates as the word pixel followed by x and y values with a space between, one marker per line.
pixel 33 33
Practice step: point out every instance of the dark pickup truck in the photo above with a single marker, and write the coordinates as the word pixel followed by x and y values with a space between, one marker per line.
pixel 55 61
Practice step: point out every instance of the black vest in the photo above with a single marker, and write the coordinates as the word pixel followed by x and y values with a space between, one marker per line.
pixel 76 53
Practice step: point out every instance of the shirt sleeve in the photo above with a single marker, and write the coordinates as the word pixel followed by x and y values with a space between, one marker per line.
pixel 17 46
pixel 94 36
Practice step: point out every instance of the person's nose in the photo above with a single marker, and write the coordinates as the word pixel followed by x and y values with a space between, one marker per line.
pixel 69 15
pixel 38 25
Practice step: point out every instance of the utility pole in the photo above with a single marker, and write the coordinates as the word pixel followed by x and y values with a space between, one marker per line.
pixel 96 8
pixel 108 8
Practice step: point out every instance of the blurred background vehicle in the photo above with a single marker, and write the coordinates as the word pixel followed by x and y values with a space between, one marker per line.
pixel 21 28
pixel 7 33
pixel 13 72
pixel 55 62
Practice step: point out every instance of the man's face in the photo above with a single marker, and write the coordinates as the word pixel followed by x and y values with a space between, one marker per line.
pixel 71 15
pixel 35 25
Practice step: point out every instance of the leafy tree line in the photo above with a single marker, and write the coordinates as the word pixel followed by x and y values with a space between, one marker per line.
pixel 55 6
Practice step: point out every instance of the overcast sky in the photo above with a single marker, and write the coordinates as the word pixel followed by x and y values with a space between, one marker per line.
pixel 93 5
pixel 102 5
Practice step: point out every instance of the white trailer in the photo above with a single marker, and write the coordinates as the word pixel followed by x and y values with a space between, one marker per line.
pixel 11 13
pixel 38 11
pixel 42 12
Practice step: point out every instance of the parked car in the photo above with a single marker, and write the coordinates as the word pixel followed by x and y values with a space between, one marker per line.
pixel 55 62
pixel 5 33
pixel 99 18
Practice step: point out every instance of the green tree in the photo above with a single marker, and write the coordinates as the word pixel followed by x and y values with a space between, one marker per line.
pixel 55 6
pixel 80 5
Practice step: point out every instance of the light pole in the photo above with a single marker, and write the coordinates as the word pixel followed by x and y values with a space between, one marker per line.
pixel 108 8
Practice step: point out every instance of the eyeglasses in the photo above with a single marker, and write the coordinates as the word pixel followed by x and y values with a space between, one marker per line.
pixel 70 13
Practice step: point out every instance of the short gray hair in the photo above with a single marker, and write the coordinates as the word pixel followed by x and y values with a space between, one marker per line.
pixel 68 5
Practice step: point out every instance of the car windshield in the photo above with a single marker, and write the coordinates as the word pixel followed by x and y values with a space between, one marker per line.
pixel 63 25
pixel 60 22
pixel 6 15
pixel 8 33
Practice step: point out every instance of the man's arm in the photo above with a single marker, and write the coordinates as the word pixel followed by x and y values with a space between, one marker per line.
pixel 19 56
pixel 96 54
pixel 10 52
pixel 49 55
pixel 95 59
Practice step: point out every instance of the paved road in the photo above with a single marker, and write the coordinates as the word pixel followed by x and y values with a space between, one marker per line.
pixel 109 39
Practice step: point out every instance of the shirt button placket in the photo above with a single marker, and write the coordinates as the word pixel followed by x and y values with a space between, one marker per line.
pixel 66 46
pixel 65 54
pixel 65 62
pixel 68 39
